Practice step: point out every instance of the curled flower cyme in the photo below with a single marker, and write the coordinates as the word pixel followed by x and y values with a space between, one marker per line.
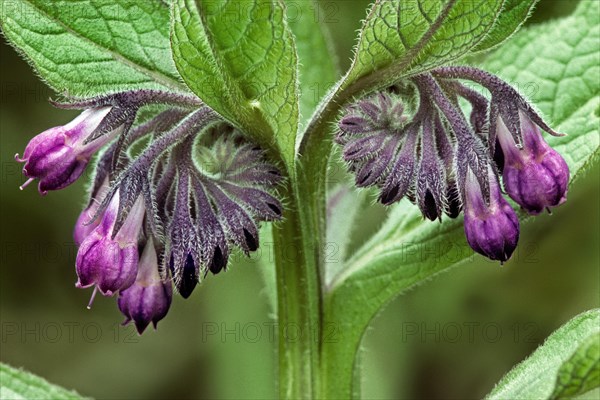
pixel 446 162
pixel 216 207
pixel 197 190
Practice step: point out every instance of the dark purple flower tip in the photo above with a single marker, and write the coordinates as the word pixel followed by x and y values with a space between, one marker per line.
pixel 499 157
pixel 491 229
pixel 218 261
pixel 58 156
pixel 85 225
pixel 453 204
pixel 111 264
pixel 536 177
pixel 187 275
pixel 431 177
pixel 149 298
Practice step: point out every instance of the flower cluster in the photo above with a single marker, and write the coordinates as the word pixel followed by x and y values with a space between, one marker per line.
pixel 446 162
pixel 165 215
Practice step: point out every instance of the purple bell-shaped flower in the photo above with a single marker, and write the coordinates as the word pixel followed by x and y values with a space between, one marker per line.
pixel 535 176
pixel 108 259
pixel 59 155
pixel 492 228
pixel 149 298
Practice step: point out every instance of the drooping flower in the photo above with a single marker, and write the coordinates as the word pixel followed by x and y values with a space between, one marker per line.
pixel 183 247
pixel 183 180
pixel 400 179
pixel 149 298
pixel 446 152
pixel 535 176
pixel 109 259
pixel 58 156
pixel 491 226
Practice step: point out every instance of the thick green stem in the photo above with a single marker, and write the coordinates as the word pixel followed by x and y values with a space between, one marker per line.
pixel 299 243
pixel 340 369
pixel 298 262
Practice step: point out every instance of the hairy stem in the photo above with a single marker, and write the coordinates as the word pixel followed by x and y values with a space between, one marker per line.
pixel 298 261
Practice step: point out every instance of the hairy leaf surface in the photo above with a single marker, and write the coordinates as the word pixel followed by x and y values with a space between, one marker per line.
pixel 239 57
pixel 91 47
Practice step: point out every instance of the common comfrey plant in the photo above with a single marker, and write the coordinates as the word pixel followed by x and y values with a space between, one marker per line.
pixel 210 126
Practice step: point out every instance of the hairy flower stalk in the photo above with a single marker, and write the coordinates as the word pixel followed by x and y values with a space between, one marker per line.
pixel 446 162
pixel 197 190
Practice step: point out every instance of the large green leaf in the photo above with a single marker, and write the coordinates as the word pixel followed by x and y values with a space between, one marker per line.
pixel 401 37
pixel 514 14
pixel 566 365
pixel 17 384
pixel 581 373
pixel 561 60
pixel 91 47
pixel 239 57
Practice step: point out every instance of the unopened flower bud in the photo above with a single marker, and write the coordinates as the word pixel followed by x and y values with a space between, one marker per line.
pixel 535 176
pixel 491 229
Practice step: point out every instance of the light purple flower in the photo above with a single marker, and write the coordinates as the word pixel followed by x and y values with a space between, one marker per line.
pixel 149 298
pixel 535 176
pixel 59 155
pixel 111 262
pixel 491 229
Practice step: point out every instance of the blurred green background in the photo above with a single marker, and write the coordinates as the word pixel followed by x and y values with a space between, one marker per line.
pixel 453 337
